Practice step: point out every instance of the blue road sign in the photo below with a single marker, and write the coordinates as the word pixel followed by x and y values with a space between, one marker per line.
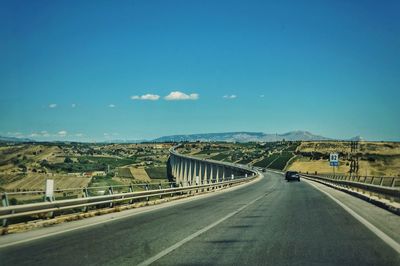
pixel 334 163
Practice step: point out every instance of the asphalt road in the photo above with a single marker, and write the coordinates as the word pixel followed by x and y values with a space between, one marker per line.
pixel 270 222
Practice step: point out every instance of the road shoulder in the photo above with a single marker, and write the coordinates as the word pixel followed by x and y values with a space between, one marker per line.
pixel 382 222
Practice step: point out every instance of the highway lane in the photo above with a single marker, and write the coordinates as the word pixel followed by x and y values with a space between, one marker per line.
pixel 270 222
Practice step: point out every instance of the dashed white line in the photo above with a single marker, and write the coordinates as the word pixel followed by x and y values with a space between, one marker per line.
pixel 196 234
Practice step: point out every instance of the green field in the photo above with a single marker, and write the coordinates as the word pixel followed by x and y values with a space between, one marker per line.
pixel 220 156
pixel 157 172
pixel 101 181
pixel 267 160
pixel 280 163
pixel 88 164
pixel 208 152
pixel 245 161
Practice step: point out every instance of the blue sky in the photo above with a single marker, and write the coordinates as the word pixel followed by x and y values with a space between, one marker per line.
pixel 70 70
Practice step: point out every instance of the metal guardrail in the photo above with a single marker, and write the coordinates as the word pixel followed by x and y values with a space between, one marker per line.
pixel 11 212
pixel 387 181
pixel 26 197
pixel 389 192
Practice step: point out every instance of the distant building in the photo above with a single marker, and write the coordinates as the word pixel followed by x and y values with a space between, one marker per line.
pixel 95 173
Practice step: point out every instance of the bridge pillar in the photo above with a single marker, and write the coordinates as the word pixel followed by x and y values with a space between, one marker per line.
pixel 195 172
pixel 185 173
pixel 174 166
pixel 211 173
pixel 190 179
pixel 206 173
pixel 187 170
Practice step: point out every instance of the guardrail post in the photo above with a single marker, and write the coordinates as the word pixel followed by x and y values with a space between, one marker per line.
pixel 4 203
pixel 4 200
pixel 85 192
pixel 160 188
pixel 171 186
pixel 111 192
pixel 147 189
pixel 85 195
pixel 181 185
pixel 131 190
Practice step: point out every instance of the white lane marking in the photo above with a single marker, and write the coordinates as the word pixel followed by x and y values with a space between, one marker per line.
pixel 196 234
pixel 133 213
pixel 387 239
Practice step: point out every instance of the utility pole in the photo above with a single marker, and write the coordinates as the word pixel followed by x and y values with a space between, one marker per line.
pixel 354 159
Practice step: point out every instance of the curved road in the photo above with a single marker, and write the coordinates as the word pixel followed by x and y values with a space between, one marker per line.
pixel 268 222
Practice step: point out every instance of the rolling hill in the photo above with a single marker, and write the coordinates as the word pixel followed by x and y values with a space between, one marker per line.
pixel 242 137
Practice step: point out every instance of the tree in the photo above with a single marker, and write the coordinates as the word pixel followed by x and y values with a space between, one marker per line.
pixel 23 167
pixel 68 160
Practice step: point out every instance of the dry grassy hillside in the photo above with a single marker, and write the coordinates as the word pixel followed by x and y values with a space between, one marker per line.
pixel 26 166
pixel 375 158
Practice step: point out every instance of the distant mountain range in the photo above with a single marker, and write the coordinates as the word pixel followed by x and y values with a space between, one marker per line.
pixel 223 137
pixel 242 137
pixel 13 139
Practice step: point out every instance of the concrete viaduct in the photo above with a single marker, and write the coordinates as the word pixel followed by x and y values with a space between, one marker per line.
pixel 187 170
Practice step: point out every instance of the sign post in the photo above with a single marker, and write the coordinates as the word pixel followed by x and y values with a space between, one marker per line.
pixel 334 161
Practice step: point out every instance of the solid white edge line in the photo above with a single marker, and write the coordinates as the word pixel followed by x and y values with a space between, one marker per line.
pixel 387 239
pixel 196 234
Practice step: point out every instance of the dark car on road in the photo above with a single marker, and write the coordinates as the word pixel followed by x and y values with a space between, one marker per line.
pixel 292 175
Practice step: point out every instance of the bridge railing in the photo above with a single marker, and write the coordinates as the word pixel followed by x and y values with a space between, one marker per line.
pixel 378 189
pixel 234 165
pixel 386 181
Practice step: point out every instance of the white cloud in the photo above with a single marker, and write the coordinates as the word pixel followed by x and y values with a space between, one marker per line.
pixel 233 96
pixel 149 97
pixel 79 135
pixel 52 105
pixel 62 133
pixel 111 105
pixel 110 135
pixel 33 135
pixel 44 133
pixel 73 105
pixel 177 95
pixel 14 133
